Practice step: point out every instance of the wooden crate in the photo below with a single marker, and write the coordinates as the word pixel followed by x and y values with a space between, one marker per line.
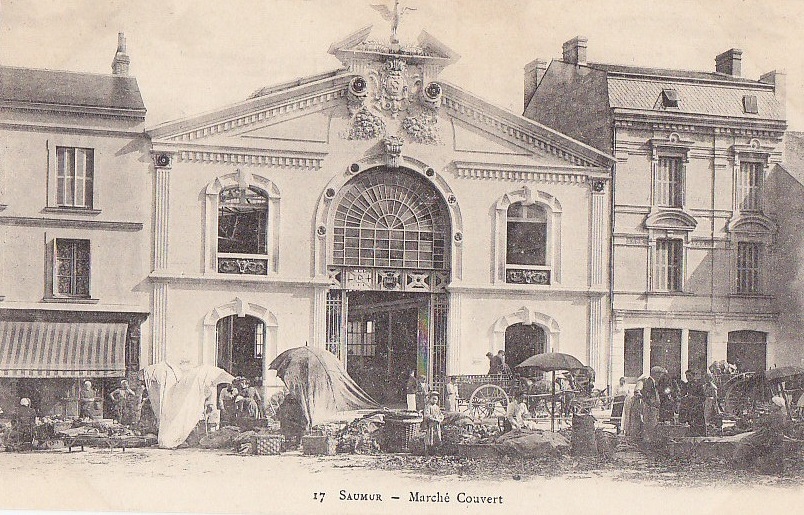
pixel 317 445
pixel 268 444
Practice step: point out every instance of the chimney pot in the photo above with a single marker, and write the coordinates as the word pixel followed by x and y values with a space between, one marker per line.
pixel 779 80
pixel 534 71
pixel 121 59
pixel 574 50
pixel 729 62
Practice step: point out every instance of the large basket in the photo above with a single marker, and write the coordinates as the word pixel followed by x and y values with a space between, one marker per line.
pixel 268 444
pixel 400 431
pixel 318 445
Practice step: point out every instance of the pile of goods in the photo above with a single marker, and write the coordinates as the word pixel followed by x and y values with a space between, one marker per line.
pixel 362 436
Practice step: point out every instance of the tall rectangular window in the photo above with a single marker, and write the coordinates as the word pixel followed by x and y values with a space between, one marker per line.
pixel 259 340
pixel 72 266
pixel 668 265
pixel 669 182
pixel 749 186
pixel 749 256
pixel 634 350
pixel 74 177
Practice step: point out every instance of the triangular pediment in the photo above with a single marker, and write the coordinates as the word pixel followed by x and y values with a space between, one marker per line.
pixel 322 114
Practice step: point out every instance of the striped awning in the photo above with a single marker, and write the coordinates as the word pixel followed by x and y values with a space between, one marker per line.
pixel 62 349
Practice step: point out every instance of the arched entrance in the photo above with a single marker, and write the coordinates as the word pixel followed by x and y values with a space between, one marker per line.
pixel 523 341
pixel 241 346
pixel 389 262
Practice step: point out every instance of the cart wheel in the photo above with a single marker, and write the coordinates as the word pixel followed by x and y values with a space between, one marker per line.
pixel 487 401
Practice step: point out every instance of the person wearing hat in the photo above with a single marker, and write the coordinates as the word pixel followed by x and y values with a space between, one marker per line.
pixel 432 417
pixel 23 425
pixel 86 400
pixel 650 404
pixel 411 386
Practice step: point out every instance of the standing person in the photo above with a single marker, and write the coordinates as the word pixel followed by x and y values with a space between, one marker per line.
pixel 650 404
pixel 124 400
pixel 252 400
pixel 451 402
pixel 421 393
pixel 618 403
pixel 226 403
pixel 411 386
pixel 86 400
pixel 494 364
pixel 504 368
pixel 431 423
pixel 710 409
pixel 23 423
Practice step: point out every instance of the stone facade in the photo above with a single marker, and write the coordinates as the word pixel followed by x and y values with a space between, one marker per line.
pixel 310 154
pixel 696 224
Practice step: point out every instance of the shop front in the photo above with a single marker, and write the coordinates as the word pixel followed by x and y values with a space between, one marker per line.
pixel 47 357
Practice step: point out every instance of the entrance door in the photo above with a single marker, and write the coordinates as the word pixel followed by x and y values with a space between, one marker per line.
pixel 522 342
pixel 241 341
pixel 665 350
pixel 383 342
pixel 747 350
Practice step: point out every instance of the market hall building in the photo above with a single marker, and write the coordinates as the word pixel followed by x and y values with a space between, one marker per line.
pixel 701 242
pixel 381 213
pixel 75 231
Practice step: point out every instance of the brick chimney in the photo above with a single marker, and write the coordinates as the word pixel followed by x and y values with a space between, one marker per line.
pixel 534 71
pixel 121 59
pixel 729 62
pixel 575 50
pixel 779 80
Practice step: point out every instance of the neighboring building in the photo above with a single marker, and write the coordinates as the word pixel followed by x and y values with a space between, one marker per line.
pixel 383 214
pixel 75 229
pixel 695 235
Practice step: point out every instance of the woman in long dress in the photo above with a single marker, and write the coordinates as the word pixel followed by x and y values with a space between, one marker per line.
pixel 451 402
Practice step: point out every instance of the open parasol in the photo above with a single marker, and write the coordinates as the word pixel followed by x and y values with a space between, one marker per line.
pixel 319 382
pixel 784 373
pixel 550 362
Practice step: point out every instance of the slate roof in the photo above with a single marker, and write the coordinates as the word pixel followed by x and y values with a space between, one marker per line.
pixel 693 98
pixel 711 93
pixel 62 88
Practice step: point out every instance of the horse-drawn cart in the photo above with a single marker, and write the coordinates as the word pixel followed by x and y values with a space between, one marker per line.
pixel 483 395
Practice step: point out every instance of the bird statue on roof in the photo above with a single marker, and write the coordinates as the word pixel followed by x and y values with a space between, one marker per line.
pixel 393 16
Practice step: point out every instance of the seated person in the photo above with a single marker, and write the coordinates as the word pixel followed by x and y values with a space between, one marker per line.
pixel 515 413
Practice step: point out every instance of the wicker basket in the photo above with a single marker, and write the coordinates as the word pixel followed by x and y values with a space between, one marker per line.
pixel 318 445
pixel 268 444
pixel 399 432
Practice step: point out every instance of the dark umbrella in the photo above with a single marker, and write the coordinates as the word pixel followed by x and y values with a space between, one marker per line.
pixel 319 382
pixel 550 362
pixel 783 373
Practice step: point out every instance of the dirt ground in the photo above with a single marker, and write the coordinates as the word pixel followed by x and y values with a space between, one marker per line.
pixel 211 481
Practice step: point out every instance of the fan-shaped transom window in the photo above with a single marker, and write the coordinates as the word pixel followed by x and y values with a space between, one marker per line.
pixel 527 234
pixel 391 219
pixel 242 221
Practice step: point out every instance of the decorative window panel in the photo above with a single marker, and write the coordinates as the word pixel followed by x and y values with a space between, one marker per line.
pixel 668 265
pixel 242 221
pixel 749 186
pixel 527 235
pixel 74 177
pixel 669 182
pixel 393 220
pixel 72 267
pixel 749 256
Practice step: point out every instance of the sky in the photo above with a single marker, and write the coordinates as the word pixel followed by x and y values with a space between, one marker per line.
pixel 193 56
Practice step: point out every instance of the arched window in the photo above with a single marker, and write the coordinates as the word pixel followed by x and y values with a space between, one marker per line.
pixel 242 221
pixel 527 235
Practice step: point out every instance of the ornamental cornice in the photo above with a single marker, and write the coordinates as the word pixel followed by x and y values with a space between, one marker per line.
pixel 507 172
pixel 199 153
pixel 510 131
pixel 276 110
pixel 701 125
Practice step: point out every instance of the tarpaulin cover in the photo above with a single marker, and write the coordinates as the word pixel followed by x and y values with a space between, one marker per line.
pixel 320 384
pixel 181 396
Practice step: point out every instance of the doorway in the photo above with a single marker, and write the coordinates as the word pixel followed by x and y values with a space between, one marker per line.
pixel 384 334
pixel 747 350
pixel 523 341
pixel 241 343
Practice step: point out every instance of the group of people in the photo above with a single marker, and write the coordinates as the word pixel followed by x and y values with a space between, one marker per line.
pixel 421 399
pixel 497 364
pixel 127 402
pixel 660 398
pixel 236 400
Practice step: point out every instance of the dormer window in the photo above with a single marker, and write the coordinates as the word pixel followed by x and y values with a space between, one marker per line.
pixel 750 104
pixel 669 98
